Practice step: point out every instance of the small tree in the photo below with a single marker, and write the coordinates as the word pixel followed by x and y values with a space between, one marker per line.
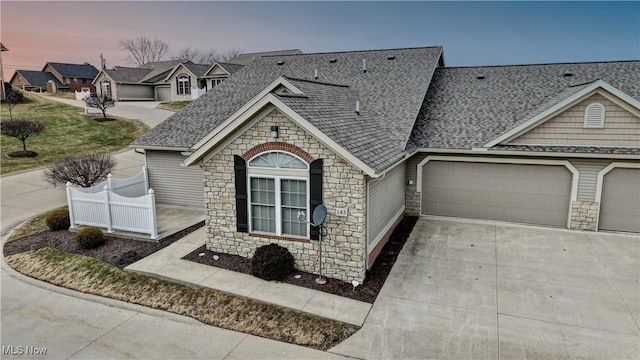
pixel 83 170
pixel 101 103
pixel 21 130
pixel 12 98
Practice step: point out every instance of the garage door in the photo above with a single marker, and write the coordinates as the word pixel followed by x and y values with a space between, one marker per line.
pixel 163 93
pixel 530 194
pixel 620 202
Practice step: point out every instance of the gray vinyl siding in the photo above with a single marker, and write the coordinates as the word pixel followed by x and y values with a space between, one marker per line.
pixel 174 184
pixel 126 91
pixel 588 177
pixel 385 200
pixel 620 202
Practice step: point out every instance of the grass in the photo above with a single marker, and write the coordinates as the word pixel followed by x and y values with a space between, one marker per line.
pixel 32 226
pixel 173 105
pixel 68 131
pixel 64 95
pixel 93 276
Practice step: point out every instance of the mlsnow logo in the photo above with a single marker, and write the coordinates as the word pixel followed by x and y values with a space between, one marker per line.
pixel 23 350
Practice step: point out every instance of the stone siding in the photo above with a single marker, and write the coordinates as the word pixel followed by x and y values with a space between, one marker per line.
pixel 344 186
pixel 412 201
pixel 584 215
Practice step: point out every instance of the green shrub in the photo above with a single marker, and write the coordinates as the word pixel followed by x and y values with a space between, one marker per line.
pixel 58 220
pixel 272 262
pixel 90 238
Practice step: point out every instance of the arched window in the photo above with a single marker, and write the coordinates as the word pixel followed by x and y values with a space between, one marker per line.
pixel 106 88
pixel 594 115
pixel 183 84
pixel 278 184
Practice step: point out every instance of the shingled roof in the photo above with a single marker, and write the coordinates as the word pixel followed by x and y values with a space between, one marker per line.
pixel 468 107
pixel 247 58
pixel 39 78
pixel 231 68
pixel 82 71
pixel 124 74
pixel 390 93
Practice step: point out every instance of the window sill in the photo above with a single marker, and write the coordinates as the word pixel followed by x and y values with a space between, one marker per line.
pixel 278 237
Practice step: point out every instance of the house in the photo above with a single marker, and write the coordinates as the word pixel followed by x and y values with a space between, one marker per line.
pixel 374 135
pixel 2 94
pixel 171 80
pixel 56 77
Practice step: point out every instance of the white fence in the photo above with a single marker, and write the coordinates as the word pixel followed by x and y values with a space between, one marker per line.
pixel 196 93
pixel 81 95
pixel 115 204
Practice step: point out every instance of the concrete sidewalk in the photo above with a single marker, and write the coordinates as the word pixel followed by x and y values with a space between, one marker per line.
pixel 167 263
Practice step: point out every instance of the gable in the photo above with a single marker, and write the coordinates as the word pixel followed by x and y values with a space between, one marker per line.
pixel 621 125
pixel 17 79
pixel 50 69
pixel 217 70
pixel 180 69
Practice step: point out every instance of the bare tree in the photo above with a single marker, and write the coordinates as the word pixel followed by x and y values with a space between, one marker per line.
pixel 83 170
pixel 210 56
pixel 21 130
pixel 101 103
pixel 143 50
pixel 13 97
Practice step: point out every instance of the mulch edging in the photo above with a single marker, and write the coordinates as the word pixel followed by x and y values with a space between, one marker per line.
pixel 367 292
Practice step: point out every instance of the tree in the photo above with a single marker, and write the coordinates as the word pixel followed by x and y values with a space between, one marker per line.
pixel 101 103
pixel 143 50
pixel 12 98
pixel 210 56
pixel 83 170
pixel 21 130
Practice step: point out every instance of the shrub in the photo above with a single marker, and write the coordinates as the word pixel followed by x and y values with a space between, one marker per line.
pixel 22 129
pixel 90 238
pixel 58 220
pixel 272 262
pixel 84 170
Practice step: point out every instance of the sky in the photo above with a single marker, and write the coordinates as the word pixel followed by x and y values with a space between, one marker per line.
pixel 471 33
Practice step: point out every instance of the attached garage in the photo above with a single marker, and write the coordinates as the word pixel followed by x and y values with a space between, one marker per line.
pixel 522 193
pixel 620 200
pixel 173 183
pixel 163 93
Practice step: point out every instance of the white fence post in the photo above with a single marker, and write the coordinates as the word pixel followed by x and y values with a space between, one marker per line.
pixel 152 214
pixel 146 178
pixel 70 205
pixel 108 208
pixel 109 181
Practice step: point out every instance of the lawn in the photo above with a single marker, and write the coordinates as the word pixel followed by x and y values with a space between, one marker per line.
pixel 68 131
pixel 173 105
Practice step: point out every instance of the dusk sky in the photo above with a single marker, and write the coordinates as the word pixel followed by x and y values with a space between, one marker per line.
pixel 472 33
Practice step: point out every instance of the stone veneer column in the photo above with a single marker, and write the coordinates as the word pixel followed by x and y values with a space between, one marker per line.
pixel 584 215
pixel 344 186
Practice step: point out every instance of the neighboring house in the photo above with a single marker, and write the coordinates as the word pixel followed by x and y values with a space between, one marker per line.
pixel 37 81
pixel 188 81
pixel 2 94
pixel 375 135
pixel 56 77
pixel 146 82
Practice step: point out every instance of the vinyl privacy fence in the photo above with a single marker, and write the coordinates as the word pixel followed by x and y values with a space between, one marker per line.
pixel 115 204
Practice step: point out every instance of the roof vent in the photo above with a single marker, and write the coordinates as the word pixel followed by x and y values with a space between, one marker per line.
pixel 333 60
pixel 480 77
pixel 357 107
pixel 392 57
pixel 281 62
pixel 567 74
pixel 364 65
pixel 315 74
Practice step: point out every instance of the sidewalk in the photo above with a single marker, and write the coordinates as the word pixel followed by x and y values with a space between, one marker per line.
pixel 167 264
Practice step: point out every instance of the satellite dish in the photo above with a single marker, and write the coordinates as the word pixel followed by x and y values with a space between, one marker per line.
pixel 319 214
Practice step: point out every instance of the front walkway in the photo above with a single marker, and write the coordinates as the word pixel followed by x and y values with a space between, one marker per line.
pixel 463 289
pixel 167 263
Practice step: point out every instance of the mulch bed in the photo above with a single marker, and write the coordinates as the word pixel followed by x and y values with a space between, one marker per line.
pixel 22 154
pixel 366 292
pixel 117 251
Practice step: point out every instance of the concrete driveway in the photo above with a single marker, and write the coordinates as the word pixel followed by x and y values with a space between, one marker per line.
pixel 467 289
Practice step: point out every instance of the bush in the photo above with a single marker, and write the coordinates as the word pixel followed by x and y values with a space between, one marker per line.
pixel 90 238
pixel 272 262
pixel 84 170
pixel 58 220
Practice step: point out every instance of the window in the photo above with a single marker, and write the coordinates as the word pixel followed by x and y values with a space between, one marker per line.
pixel 278 193
pixel 594 115
pixel 106 88
pixel 75 80
pixel 184 85
pixel 215 82
pixel 84 81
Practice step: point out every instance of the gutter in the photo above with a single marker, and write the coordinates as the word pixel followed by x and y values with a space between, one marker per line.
pixel 485 151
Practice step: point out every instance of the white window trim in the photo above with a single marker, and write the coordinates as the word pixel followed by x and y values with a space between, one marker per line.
pixel 278 174
pixel 600 125
pixel 183 78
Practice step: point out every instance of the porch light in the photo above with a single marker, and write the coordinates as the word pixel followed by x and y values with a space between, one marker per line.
pixel 274 131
